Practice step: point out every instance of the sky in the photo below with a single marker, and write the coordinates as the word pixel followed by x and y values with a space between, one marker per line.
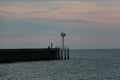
pixel 88 24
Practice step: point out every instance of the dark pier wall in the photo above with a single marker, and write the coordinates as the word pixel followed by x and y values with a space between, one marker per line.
pixel 16 55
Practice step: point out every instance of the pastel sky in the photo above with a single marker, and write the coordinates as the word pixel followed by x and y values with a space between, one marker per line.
pixel 88 24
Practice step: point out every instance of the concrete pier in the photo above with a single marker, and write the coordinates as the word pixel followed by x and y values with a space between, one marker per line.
pixel 17 55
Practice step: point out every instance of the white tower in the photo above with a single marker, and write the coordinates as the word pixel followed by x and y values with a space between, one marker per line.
pixel 63 35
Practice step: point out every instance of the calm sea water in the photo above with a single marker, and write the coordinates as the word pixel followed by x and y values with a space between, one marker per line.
pixel 83 65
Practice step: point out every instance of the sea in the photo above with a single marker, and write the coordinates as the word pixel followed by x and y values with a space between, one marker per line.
pixel 84 64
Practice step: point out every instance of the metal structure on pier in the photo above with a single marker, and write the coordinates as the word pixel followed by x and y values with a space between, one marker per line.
pixel 64 50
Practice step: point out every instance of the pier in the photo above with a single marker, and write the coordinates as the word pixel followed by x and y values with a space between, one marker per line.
pixel 35 54
pixel 20 55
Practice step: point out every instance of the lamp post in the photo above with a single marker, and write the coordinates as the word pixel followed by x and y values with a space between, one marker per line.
pixel 63 35
pixel 63 51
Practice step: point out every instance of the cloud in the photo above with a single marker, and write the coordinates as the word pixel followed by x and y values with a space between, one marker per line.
pixel 5 12
pixel 41 12
pixel 107 13
pixel 74 21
